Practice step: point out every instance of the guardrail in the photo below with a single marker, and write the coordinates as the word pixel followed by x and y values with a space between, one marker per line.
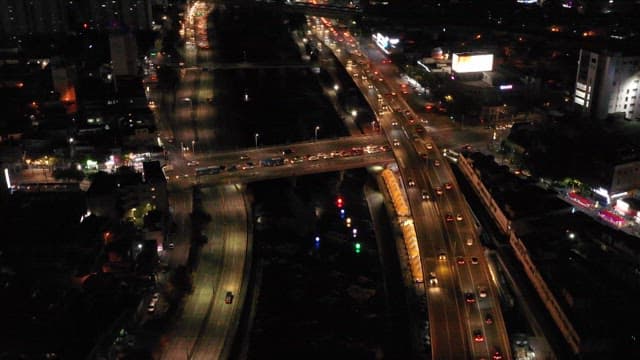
pixel 408 229
pixel 547 297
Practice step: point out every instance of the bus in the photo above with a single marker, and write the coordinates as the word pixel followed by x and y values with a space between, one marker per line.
pixel 274 161
pixel 209 170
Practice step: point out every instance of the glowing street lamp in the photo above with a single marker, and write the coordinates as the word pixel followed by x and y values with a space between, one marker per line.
pixel 316 133
pixel 256 137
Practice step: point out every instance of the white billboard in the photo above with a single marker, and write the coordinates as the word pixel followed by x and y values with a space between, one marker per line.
pixel 470 62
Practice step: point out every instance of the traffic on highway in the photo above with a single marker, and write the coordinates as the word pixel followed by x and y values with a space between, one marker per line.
pixel 464 312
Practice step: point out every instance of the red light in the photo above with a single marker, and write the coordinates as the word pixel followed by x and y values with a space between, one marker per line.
pixel 85 26
pixel 339 202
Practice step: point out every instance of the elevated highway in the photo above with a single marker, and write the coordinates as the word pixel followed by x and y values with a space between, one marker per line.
pixel 242 166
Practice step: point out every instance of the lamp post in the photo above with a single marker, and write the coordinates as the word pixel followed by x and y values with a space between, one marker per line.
pixel 316 133
pixel 193 147
pixel 71 148
pixel 187 99
pixel 256 137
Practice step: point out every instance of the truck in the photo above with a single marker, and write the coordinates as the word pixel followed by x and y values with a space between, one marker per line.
pixel 274 161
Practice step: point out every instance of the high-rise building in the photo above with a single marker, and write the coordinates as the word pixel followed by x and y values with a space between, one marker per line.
pixel 27 17
pixel 124 54
pixel 608 83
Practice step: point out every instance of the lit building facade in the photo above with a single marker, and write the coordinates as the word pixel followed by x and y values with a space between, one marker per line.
pixel 608 83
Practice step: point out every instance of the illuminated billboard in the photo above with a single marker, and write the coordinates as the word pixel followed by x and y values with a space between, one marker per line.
pixel 385 43
pixel 470 62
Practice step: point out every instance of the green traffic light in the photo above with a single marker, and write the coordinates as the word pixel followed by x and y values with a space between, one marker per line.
pixel 357 247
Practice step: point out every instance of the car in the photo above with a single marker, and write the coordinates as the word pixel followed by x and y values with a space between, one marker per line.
pixel 193 163
pixel 460 260
pixel 448 186
pixel 171 245
pixel 407 112
pixel 448 218
pixel 477 336
pixel 439 190
pixel 436 163
pixel 425 195
pixel 469 298
pixel 433 279
pixel 469 241
pixel 459 217
pixel 396 142
pixel 411 119
pixel 474 260
pixel 228 299
pixel 411 182
pixel 244 157
pixel 442 256
pixel 155 296
pixel 488 319
pixel 394 123
pixel 424 156
pixel 482 292
pixel 248 165
pixel 287 152
pixel 151 308
pixel 429 146
pixel 496 355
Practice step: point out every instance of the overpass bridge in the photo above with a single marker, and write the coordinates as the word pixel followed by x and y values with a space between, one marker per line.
pixel 303 158
pixel 307 8
pixel 210 66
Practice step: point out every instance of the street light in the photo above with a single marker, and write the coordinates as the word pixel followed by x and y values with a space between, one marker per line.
pixel 256 137
pixel 354 113
pixel 316 133
pixel 193 146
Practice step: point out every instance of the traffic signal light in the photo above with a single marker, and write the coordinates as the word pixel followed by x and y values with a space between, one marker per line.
pixel 357 247
pixel 339 202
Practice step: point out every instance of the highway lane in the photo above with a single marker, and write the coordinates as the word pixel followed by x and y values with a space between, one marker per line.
pixel 472 277
pixel 466 278
pixel 469 279
pixel 198 305
pixel 222 322
pixel 207 324
pixel 447 336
